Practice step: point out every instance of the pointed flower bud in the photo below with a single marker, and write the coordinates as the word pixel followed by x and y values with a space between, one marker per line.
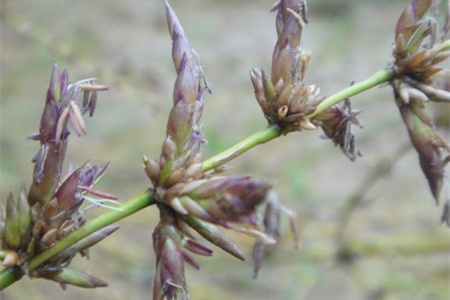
pixel 178 127
pixel 71 194
pixel 169 276
pixel 272 216
pixel 47 172
pixel 151 168
pixel 88 242
pixel 428 144
pixel 184 131
pixel 196 247
pixel 70 276
pixel 416 34
pixel 12 224
pixel 216 236
pixel 230 199
pixel 11 258
pixel 62 105
pixel 412 18
pixel 68 194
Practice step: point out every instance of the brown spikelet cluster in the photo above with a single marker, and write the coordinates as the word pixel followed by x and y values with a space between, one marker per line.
pixel 336 123
pixel 51 209
pixel 420 78
pixel 193 202
pixel 285 99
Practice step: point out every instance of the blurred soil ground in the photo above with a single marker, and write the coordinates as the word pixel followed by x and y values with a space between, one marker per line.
pixel 401 250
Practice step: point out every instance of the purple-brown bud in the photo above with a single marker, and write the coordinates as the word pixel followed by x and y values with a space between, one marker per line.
pixel 184 132
pixel 213 234
pixel 16 222
pixel 336 123
pixel 169 275
pixel 87 242
pixel 227 199
pixel 69 195
pixel 39 219
pixel 61 106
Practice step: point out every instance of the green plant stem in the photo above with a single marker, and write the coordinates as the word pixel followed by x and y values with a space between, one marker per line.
pixel 373 81
pixel 376 79
pixel 11 275
pixel 259 137
pixel 8 276
pixel 273 131
pixel 138 202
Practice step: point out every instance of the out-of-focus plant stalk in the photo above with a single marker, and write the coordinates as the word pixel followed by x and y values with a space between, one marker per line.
pixel 9 275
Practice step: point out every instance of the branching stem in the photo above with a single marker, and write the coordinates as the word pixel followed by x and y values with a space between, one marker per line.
pixel 10 275
pixel 144 199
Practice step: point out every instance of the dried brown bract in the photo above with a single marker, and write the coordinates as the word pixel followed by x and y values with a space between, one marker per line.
pixel 336 123
pixel 272 216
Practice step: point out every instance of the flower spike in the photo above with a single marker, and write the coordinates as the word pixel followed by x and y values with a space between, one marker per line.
pixel 51 208
pixel 417 71
pixel 191 201
pixel 284 97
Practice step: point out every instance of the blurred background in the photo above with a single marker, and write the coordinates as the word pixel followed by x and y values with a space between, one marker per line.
pixel 370 228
